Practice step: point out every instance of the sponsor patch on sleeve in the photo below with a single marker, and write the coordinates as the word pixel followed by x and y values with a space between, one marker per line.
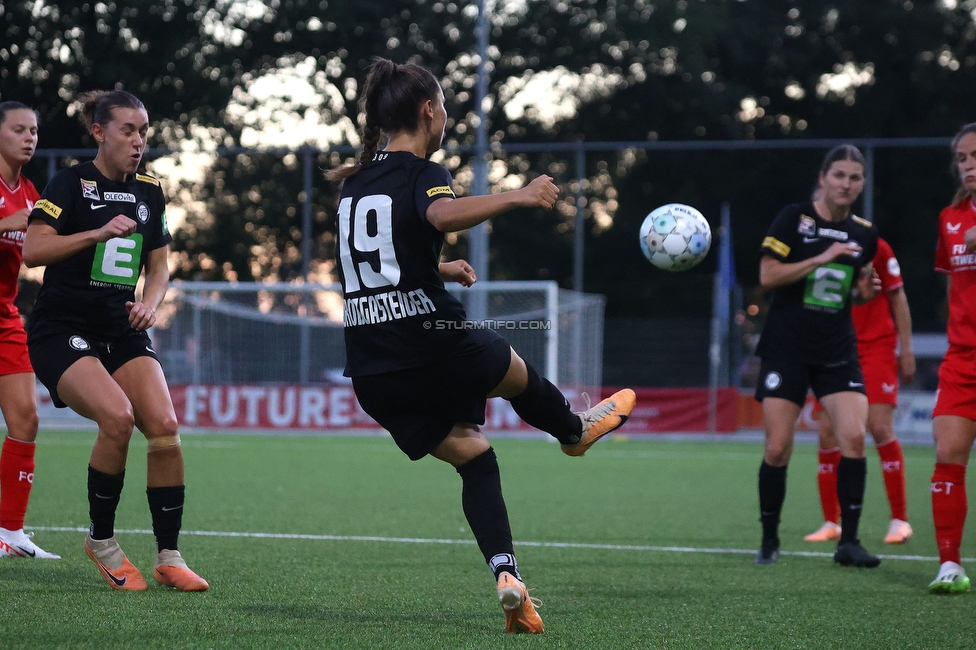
pixel 776 246
pixel 440 189
pixel 48 207
pixel 147 179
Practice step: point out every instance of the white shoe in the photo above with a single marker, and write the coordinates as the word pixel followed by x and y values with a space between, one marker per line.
pixel 17 543
pixel 952 579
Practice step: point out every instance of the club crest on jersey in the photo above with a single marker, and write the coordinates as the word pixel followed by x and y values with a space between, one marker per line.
pixel 773 380
pixel 78 343
pixel 807 226
pixel 142 213
pixel 89 190
pixel 953 228
pixel 893 266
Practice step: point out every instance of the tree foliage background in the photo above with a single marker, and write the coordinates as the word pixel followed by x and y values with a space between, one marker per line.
pixel 219 73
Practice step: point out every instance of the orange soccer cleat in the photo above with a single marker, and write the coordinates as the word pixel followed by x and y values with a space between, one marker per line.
pixel 899 532
pixel 829 532
pixel 598 421
pixel 114 566
pixel 171 571
pixel 520 614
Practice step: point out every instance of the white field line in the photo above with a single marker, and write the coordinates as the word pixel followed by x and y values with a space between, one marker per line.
pixel 426 540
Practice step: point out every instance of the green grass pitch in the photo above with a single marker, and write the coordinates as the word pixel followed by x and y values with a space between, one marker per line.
pixel 640 544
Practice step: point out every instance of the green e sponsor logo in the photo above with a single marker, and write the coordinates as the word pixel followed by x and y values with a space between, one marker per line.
pixel 829 286
pixel 117 260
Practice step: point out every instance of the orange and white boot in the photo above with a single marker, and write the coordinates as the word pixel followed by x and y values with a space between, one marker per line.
pixel 598 421
pixel 171 571
pixel 520 614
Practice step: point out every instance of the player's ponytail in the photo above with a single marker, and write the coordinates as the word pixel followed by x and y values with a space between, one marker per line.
pixel 97 105
pixel 388 103
pixel 961 192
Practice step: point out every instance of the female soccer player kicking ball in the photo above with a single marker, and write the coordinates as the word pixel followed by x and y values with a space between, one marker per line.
pixel 415 369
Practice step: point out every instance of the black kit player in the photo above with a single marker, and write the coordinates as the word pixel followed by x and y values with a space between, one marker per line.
pixel 97 226
pixel 817 256
pixel 415 368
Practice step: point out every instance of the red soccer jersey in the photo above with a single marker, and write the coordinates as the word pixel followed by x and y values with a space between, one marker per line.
pixel 12 242
pixel 873 320
pixel 951 257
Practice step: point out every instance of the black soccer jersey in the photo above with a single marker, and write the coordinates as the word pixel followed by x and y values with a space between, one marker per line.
pixel 90 288
pixel 396 306
pixel 809 321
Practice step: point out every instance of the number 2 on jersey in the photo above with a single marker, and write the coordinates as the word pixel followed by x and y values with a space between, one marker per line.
pixel 381 206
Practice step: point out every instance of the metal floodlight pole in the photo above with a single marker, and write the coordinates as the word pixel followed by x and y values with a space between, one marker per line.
pixel 478 236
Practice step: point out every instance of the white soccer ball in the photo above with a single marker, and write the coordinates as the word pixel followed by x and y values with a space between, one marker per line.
pixel 675 237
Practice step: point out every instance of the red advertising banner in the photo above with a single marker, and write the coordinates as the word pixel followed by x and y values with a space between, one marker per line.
pixel 335 408
pixel 679 410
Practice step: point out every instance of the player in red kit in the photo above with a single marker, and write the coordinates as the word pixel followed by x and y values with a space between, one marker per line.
pixel 954 415
pixel 884 348
pixel 18 139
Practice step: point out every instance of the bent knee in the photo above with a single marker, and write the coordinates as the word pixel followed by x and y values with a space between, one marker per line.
pixel 23 427
pixel 164 434
pixel 117 423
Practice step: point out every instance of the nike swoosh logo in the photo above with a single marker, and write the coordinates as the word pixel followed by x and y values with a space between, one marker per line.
pixel 165 509
pixel 25 551
pixel 854 384
pixel 810 240
pixel 150 349
pixel 118 581
pixel 95 206
pixel 101 497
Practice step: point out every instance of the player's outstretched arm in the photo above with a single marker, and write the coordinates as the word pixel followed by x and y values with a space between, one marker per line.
pixel 452 215
pixel 44 245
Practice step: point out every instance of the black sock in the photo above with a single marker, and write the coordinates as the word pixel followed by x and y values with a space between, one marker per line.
pixel 166 507
pixel 772 493
pixel 544 407
pixel 850 493
pixel 104 491
pixel 484 508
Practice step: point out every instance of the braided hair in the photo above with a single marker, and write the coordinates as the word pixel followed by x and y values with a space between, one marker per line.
pixel 389 100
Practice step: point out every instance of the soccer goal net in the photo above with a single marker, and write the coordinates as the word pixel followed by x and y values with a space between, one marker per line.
pixel 236 333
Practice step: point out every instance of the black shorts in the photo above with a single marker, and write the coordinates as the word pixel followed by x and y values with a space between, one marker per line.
pixel 54 347
pixel 420 406
pixel 790 380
